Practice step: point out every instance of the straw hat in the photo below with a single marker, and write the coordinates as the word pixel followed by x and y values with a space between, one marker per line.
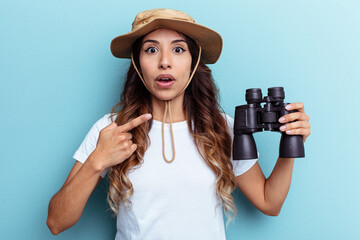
pixel 147 21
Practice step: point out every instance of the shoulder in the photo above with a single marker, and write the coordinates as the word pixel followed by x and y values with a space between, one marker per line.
pixel 104 121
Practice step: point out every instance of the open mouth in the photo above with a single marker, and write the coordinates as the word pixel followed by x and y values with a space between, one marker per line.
pixel 165 80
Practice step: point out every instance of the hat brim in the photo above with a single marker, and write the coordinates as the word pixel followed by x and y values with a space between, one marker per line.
pixel 209 40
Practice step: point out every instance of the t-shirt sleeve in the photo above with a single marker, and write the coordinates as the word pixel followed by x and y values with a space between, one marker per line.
pixel 89 143
pixel 239 166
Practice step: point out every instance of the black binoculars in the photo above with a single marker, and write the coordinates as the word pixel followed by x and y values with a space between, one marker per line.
pixel 252 117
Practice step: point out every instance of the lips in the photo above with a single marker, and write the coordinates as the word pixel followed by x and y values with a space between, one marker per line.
pixel 165 80
pixel 165 77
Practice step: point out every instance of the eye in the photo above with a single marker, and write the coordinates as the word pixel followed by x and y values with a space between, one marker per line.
pixel 179 50
pixel 151 50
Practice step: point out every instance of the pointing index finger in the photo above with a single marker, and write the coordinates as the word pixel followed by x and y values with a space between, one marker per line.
pixel 135 122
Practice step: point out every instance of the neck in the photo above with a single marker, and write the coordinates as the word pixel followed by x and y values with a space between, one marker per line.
pixel 177 113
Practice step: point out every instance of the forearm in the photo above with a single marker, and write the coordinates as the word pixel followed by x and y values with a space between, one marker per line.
pixel 67 205
pixel 277 185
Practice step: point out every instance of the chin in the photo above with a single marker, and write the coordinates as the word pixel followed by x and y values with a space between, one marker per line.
pixel 164 96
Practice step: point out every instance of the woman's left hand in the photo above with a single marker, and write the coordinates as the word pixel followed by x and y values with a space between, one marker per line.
pixel 301 126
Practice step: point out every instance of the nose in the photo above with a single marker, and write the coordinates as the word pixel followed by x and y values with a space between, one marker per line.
pixel 165 61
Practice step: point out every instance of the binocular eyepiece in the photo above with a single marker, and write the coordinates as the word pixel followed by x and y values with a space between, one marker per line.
pixel 252 117
pixel 254 95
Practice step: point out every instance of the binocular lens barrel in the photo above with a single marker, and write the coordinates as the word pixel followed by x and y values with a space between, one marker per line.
pixel 244 147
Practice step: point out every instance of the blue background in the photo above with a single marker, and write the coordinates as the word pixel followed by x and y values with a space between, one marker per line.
pixel 58 77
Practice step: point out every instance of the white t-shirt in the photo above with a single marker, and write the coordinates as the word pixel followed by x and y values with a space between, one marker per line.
pixel 171 200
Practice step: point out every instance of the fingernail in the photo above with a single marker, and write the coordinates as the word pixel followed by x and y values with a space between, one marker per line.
pixel 282 119
pixel 148 116
pixel 288 107
pixel 282 128
pixel 289 131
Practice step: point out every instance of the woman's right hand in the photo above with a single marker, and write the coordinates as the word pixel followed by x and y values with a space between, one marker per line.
pixel 114 144
pixel 113 147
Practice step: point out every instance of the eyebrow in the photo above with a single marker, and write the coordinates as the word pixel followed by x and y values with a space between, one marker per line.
pixel 174 41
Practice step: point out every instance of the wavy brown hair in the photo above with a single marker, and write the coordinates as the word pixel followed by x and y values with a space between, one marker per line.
pixel 204 117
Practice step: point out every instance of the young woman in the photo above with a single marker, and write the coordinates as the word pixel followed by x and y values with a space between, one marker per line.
pixel 166 147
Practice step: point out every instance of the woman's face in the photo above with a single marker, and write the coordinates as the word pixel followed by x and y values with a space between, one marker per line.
pixel 165 62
